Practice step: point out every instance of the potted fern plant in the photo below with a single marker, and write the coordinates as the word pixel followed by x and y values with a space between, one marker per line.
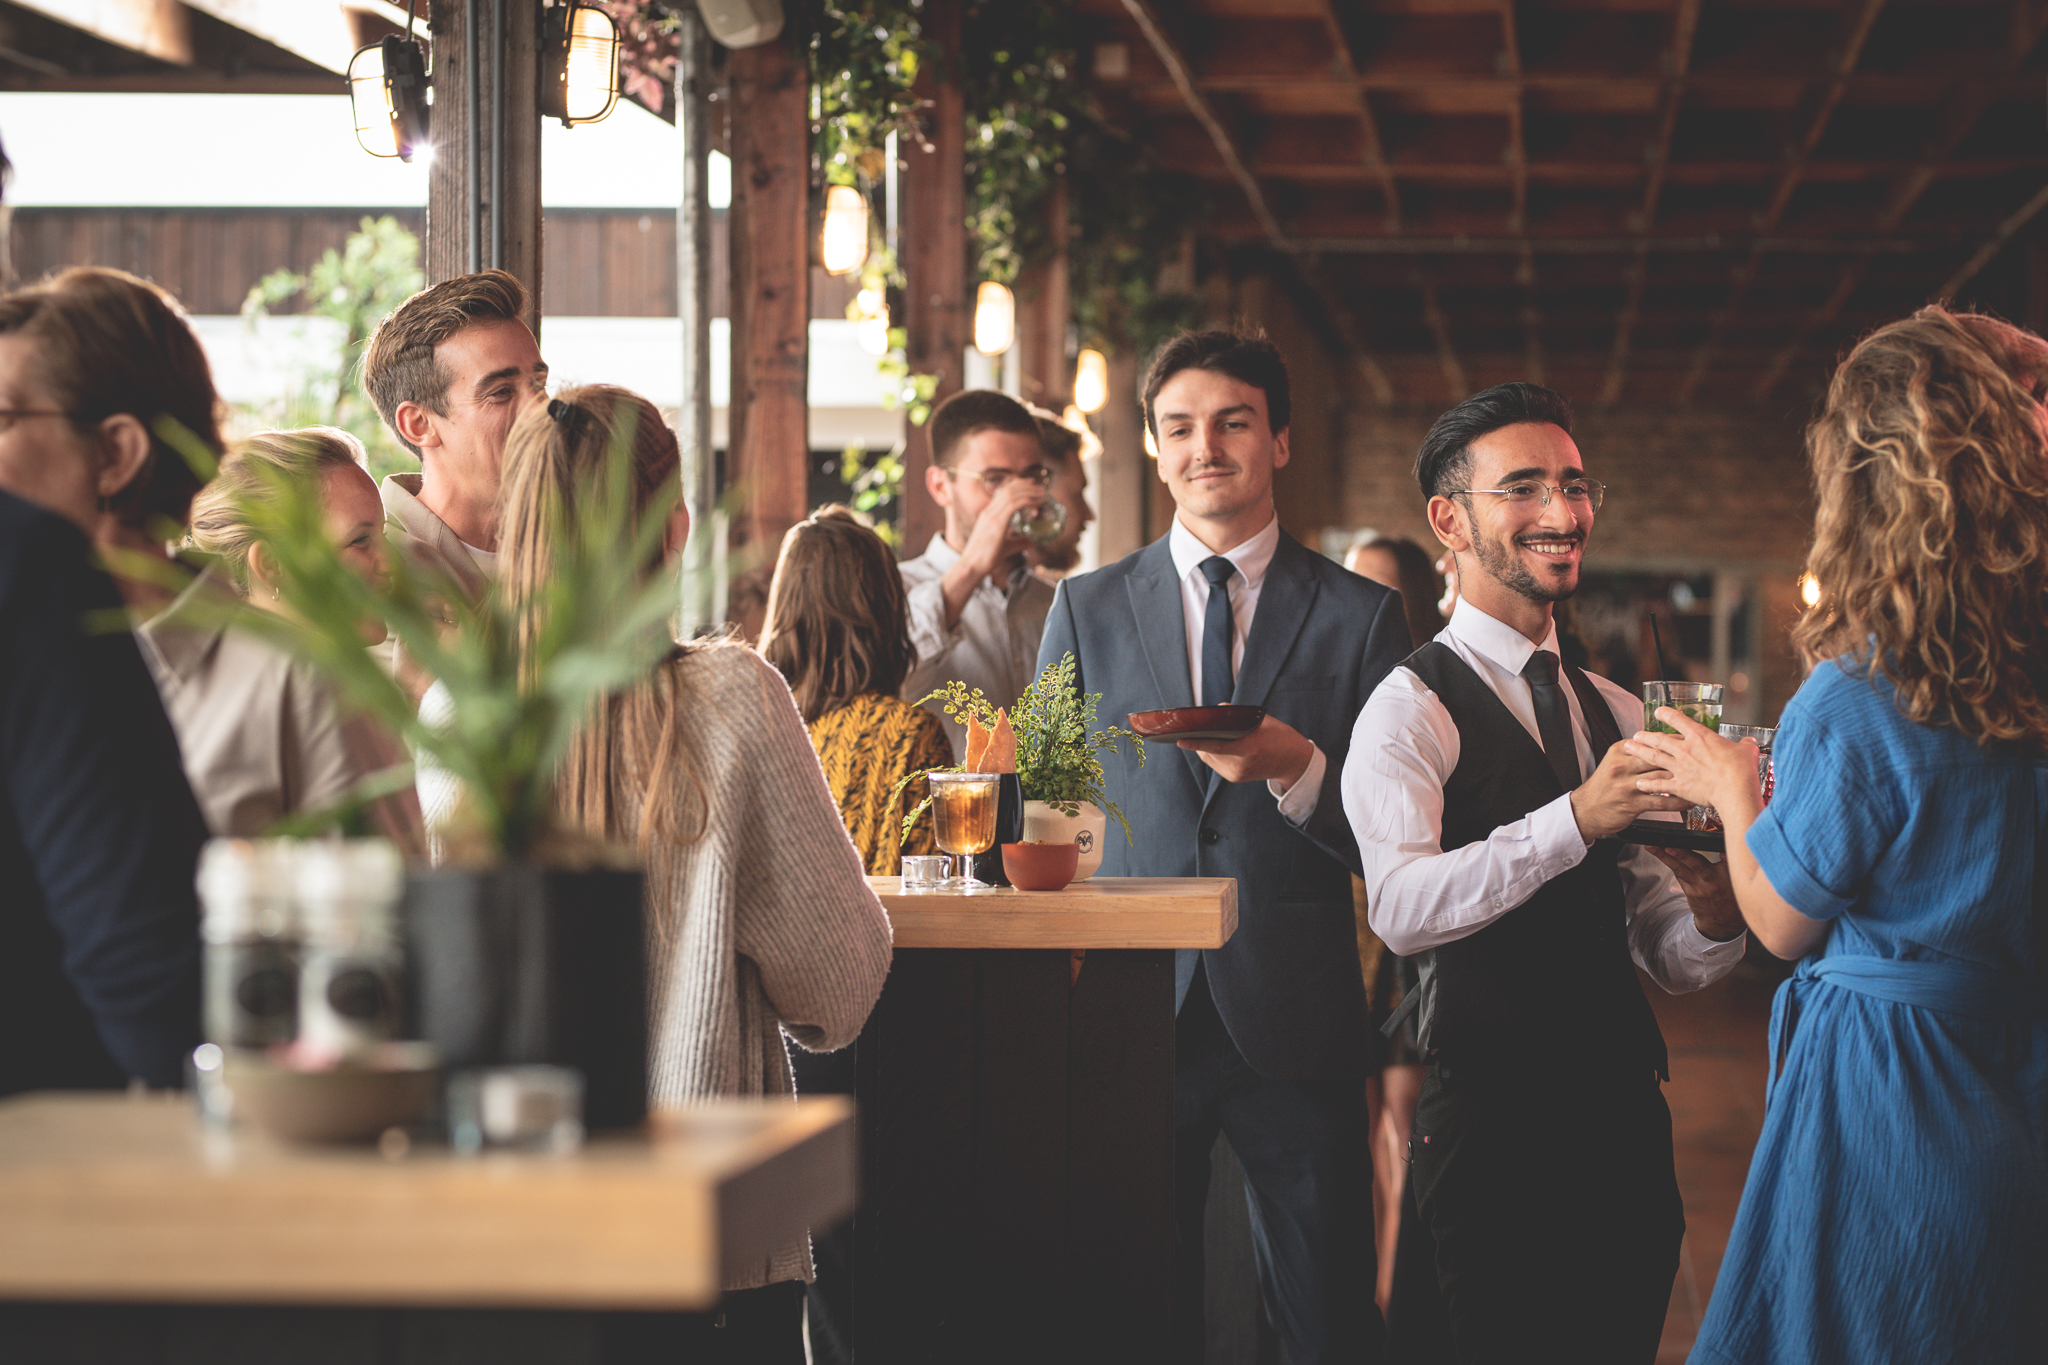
pixel 1059 758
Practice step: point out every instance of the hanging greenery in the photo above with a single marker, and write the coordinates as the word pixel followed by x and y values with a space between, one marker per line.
pixel 1029 122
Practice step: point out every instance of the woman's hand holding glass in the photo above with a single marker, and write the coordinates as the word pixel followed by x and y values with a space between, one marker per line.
pixel 1699 766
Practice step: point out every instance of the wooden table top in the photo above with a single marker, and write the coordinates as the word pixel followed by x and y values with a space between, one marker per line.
pixel 111 1198
pixel 1102 912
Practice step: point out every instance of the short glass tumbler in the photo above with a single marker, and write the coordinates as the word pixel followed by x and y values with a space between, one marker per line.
pixel 1763 735
pixel 924 871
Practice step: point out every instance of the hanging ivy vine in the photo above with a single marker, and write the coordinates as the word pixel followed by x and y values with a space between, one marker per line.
pixel 1029 122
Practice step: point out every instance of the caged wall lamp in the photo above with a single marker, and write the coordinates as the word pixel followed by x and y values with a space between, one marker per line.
pixel 387 91
pixel 579 81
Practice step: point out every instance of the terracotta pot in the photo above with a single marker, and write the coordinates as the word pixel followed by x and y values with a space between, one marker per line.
pixel 1045 825
pixel 1040 867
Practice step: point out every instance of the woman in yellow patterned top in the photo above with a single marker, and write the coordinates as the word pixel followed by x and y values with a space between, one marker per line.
pixel 837 629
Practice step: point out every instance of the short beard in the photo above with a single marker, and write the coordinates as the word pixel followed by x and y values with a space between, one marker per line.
pixel 1058 557
pixel 1511 573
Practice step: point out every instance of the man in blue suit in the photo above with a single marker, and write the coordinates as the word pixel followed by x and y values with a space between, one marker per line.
pixel 1272 1039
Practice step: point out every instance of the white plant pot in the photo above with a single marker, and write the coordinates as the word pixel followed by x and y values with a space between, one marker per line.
pixel 1045 825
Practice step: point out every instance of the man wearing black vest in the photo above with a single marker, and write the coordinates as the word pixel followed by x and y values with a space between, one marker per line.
pixel 1480 782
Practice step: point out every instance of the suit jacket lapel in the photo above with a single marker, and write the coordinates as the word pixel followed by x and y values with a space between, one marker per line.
pixel 1284 604
pixel 1162 630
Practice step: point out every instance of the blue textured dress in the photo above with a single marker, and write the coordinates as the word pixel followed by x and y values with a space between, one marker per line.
pixel 1897 1205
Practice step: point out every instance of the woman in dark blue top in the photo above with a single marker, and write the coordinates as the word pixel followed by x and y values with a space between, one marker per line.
pixel 99 834
pixel 1897 1204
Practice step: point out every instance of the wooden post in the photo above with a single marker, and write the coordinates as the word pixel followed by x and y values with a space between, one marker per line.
pixel 1043 315
pixel 1125 475
pixel 934 257
pixel 768 415
pixel 483 195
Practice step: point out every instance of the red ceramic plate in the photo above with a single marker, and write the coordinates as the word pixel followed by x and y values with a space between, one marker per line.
pixel 1198 722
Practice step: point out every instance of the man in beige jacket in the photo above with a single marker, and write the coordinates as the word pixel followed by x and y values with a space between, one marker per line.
pixel 450 371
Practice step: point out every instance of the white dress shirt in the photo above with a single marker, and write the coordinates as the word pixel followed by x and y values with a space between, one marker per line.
pixel 1404 748
pixel 994 644
pixel 1251 560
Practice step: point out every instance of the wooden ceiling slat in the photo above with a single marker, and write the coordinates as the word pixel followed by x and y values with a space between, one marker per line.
pixel 1149 23
pixel 1684 28
pixel 1371 144
pixel 1968 104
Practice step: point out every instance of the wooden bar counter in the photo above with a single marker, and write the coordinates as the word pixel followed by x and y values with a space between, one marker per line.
pixel 1016 1119
pixel 112 1200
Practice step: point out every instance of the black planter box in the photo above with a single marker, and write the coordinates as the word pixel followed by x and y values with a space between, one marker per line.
pixel 518 964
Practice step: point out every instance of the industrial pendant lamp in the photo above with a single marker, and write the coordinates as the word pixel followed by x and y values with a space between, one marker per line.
pixel 579 80
pixel 387 91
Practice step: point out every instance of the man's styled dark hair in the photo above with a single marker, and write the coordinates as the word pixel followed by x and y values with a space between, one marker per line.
pixel 1245 354
pixel 1444 464
pixel 972 410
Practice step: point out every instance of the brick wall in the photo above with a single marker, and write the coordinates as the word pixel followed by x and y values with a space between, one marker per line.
pixel 1688 491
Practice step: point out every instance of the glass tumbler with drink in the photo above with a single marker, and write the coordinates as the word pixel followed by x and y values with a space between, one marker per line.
pixel 1700 702
pixel 1041 524
pixel 964 812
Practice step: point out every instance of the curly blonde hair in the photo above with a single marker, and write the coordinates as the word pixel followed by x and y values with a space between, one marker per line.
pixel 1930 460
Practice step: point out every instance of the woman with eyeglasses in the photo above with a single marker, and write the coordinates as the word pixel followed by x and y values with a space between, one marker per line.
pixel 99 833
pixel 1897 1202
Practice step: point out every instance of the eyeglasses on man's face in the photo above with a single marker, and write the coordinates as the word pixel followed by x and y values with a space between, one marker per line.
pixel 1530 493
pixel 993 480
pixel 10 417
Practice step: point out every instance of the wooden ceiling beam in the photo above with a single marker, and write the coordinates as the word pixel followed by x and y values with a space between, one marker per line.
pixel 1145 14
pixel 1534 368
pixel 156 28
pixel 1969 103
pixel 1370 142
pixel 1685 25
pixel 1745 275
pixel 1831 96
pixel 1440 333
pixel 1517 150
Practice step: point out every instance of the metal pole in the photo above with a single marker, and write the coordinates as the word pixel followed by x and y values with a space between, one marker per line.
pixel 473 167
pixel 703 585
pixel 497 237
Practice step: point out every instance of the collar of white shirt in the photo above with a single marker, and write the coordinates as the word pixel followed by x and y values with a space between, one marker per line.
pixel 1499 643
pixel 942 557
pixel 1251 557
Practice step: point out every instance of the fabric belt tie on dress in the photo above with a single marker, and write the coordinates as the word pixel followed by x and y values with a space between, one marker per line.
pixel 1945 987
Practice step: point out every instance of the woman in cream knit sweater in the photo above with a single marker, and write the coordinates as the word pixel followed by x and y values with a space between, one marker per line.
pixel 760 921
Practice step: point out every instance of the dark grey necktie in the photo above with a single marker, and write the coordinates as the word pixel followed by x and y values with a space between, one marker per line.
pixel 1217 631
pixel 1553 720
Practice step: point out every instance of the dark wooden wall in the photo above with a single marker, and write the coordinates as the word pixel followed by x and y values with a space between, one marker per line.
pixel 596 262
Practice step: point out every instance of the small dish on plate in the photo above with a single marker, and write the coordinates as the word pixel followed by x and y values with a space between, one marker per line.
pixel 1197 722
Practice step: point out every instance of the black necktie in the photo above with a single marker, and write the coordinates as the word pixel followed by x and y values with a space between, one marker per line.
pixel 1216 632
pixel 1553 721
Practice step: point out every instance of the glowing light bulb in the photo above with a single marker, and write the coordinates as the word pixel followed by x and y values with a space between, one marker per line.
pixel 843 243
pixel 1091 381
pixel 995 318
pixel 1809 590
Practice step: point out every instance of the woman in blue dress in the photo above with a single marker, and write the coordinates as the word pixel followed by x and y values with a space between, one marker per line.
pixel 1897 1203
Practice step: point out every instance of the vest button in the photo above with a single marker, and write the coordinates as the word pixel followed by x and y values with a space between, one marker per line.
pixel 1210 836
